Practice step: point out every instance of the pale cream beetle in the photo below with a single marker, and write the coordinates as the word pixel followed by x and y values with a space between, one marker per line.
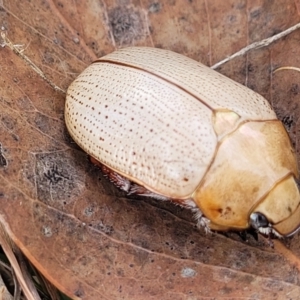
pixel 183 132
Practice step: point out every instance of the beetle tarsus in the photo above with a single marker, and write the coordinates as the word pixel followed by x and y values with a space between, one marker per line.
pixel 202 222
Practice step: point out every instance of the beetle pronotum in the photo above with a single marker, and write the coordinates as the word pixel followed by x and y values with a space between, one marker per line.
pixel 163 125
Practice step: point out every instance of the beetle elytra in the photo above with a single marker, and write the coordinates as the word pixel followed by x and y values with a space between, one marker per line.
pixel 166 126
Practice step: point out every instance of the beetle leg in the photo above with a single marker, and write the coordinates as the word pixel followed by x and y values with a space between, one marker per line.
pixel 203 222
pixel 118 180
pixel 139 190
pixel 136 189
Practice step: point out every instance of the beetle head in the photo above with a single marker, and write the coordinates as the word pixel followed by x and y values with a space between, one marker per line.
pixel 279 212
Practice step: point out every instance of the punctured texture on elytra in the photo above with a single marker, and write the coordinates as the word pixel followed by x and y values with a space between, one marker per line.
pixel 153 124
pixel 184 131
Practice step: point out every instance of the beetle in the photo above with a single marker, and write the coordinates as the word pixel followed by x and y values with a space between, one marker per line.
pixel 163 125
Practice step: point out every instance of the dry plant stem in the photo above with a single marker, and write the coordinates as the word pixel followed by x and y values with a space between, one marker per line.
pixel 15 49
pixel 52 291
pixel 288 254
pixel 5 267
pixel 287 68
pixel 25 272
pixel 18 289
pixel 45 284
pixel 257 45
pixel 7 246
pixel 4 294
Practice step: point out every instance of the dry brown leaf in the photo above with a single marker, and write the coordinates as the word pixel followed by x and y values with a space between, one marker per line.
pixel 85 236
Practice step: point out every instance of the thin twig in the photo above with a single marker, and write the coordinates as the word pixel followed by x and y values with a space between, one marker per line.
pixel 287 68
pixel 257 45
pixel 16 50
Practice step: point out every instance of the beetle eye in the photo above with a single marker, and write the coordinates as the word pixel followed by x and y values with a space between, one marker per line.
pixel 258 220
